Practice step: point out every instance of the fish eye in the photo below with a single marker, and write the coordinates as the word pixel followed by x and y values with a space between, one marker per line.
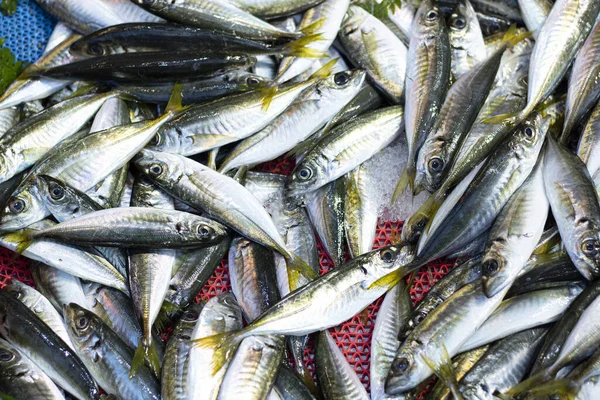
pixel 155 169
pixel 528 131
pixel 252 80
pixel 95 49
pixel 204 230
pixel 82 322
pixel 387 255
pixel 402 364
pixel 341 78
pixel 57 192
pixel 590 247
pixel 431 15
pixel 190 315
pixel 491 267
pixel 435 164
pixel 6 355
pixel 495 28
pixel 155 140
pixel 16 206
pixel 419 318
pixel 304 174
pixel 459 23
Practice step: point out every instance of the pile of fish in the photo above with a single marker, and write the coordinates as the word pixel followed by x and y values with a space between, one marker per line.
pixel 127 155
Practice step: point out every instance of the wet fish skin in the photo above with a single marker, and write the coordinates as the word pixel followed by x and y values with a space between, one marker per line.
pixel 360 213
pixel 508 9
pixel 588 146
pixel 503 365
pixel 9 117
pixel 466 38
pixel 574 204
pixel 21 378
pixel 514 235
pixel 336 377
pixel 175 364
pixel 427 76
pixel 344 148
pixel 22 328
pixel 583 92
pixel 107 356
pixel 534 13
pixel 375 48
pixel 491 24
pixel 221 16
pixel 289 387
pixel 273 9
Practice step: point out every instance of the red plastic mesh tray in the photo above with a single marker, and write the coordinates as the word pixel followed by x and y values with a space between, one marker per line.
pixel 353 336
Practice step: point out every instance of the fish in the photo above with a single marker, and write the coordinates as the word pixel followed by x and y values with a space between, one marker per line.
pixel 302 119
pixel 220 314
pixel 97 14
pixel 337 295
pixel 21 378
pixel 391 317
pixel 583 93
pixel 515 233
pixel 328 15
pixel 466 39
pixel 325 208
pixel 535 13
pixel 27 142
pixel 336 377
pixel 360 212
pixel 22 328
pixel 9 117
pixel 107 356
pixel 41 306
pixel 220 16
pixel 522 312
pixel 344 148
pixel 289 386
pixel 492 24
pixel 175 364
pixel 274 9
pixel 427 80
pixel 503 365
pixel 375 48
pixel 588 145
pixel 219 196
pixel 508 9
pixel 57 286
pixel 574 204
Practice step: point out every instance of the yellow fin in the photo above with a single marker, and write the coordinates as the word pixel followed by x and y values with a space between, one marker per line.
pixel 390 280
pixel 407 179
pixel 267 96
pixel 138 359
pixel 507 118
pixel 512 36
pixel 22 237
pixel 223 345
pixel 313 28
pixel 296 263
pixel 445 372
pixel 528 384
pixel 562 387
pixel 176 100
pixel 299 47
pixel 325 70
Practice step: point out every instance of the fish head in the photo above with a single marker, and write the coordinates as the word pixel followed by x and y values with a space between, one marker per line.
pixel 463 25
pixel 307 176
pixel 22 209
pixel 405 372
pixel 82 325
pixel 17 289
pixel 10 358
pixel 529 136
pixel 381 262
pixel 169 138
pixel 352 21
pixel 496 269
pixel 585 251
pixel 428 18
pixel 222 311
pixel 155 5
pixel 88 48
pixel 204 229
pixel 341 86
pixel 57 195
pixel 160 167
pixel 431 165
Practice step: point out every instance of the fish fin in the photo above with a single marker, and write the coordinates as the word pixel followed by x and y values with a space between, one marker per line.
pixel 138 359
pixel 309 382
pixel 445 372
pixel 144 351
pixel 32 155
pixel 296 263
pixel 512 36
pixel 407 179
pixel 163 319
pixel 212 158
pixel 31 72
pixel 240 174
pixel 223 345
pixel 175 104
pixel 390 280
pixel 85 89
pixel 267 96
pixel 22 237
pixel 299 47
pixel 314 27
pixel 508 118
pixel 325 70
pixel 528 384
pixel 562 387
pixel 411 280
pixel 430 209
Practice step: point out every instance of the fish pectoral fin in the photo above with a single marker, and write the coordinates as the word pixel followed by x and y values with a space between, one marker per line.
pixel 444 370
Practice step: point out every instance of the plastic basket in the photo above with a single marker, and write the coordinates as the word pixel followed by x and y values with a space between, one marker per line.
pixel 27 32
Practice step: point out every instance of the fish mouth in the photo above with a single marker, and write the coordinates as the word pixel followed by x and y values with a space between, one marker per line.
pixel 395 384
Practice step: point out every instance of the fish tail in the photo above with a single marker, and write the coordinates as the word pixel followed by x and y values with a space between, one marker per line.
pixel 24 238
pixel 563 387
pixel 175 104
pixel 325 70
pixel 309 381
pixel 445 372
pixel 407 179
pixel 507 118
pixel 267 96
pixel 300 47
pixel 512 36
pixel 167 310
pixel 528 384
pixel 223 345
pixel 313 28
pixel 293 278
pixel 297 264
pixel 212 158
pixel 145 350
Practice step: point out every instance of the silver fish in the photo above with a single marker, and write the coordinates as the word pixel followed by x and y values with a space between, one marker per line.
pixel 466 38
pixel 360 212
pixel 57 286
pixel 535 13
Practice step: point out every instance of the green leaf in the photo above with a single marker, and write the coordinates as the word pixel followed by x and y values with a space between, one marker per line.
pixel 10 67
pixel 382 8
pixel 8 7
